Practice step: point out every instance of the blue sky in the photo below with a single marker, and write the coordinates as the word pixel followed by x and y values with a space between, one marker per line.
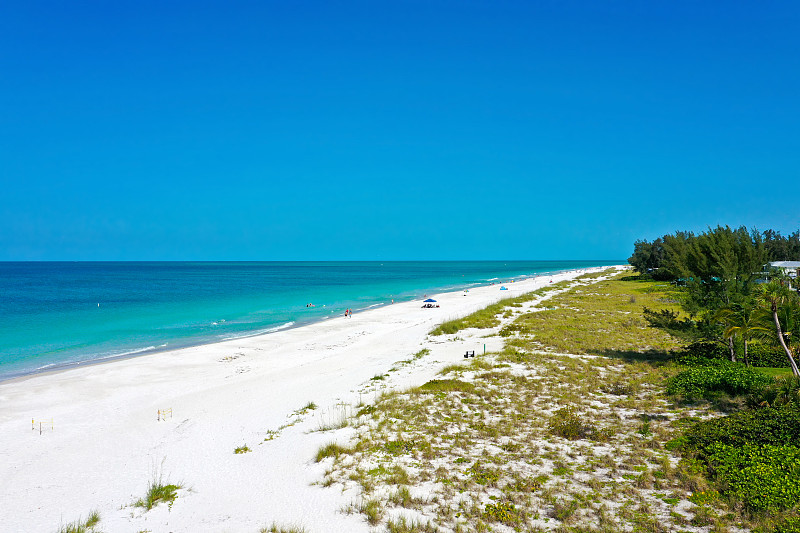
pixel 378 130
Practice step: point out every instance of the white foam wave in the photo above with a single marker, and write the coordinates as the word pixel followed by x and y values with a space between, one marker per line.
pixel 258 332
pixel 123 354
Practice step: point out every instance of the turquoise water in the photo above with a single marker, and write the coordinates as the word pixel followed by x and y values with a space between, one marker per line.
pixel 60 314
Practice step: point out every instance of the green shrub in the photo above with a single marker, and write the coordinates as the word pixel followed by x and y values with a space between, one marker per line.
pixel 764 355
pixel 733 378
pixel 568 424
pixel 484 475
pixel 763 477
pixel 782 391
pixel 399 447
pixel 702 353
pixel 788 525
pixel 771 426
pixel 503 512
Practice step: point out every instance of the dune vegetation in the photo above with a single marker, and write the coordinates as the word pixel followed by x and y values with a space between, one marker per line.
pixel 586 421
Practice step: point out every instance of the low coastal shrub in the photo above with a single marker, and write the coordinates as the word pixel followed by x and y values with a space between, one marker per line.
pixel 244 448
pixel 567 423
pixel 702 353
pixel 775 426
pixel 787 525
pixel 763 477
pixel 398 447
pixel 731 378
pixel 764 355
pixel 782 391
pixel 666 319
pixel 484 475
pixel 503 512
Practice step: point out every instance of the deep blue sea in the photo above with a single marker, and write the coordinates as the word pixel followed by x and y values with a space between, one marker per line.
pixel 57 314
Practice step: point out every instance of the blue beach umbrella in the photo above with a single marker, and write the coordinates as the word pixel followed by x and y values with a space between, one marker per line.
pixel 429 300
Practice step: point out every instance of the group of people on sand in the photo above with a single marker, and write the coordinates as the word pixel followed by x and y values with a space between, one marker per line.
pixel 348 313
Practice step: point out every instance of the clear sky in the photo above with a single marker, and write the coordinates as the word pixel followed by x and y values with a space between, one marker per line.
pixel 391 130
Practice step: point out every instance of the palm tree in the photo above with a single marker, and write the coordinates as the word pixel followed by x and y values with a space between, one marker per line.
pixel 741 320
pixel 777 295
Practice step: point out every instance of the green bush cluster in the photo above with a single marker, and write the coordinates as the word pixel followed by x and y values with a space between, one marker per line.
pixel 702 353
pixel 484 475
pixel 788 525
pixel 753 455
pixel 769 426
pixel 569 424
pixel 783 391
pixel 763 477
pixel 399 447
pixel 502 512
pixel 764 355
pixel 732 378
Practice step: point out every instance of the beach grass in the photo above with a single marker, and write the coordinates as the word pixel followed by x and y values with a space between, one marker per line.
pixel 82 526
pixel 604 318
pixel 331 449
pixel 445 385
pixel 158 492
pixel 488 316
pixel 275 528
pixel 404 525
pixel 337 417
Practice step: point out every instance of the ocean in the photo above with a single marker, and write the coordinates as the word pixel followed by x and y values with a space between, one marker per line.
pixel 59 314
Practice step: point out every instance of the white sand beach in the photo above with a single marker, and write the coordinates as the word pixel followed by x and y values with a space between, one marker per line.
pixel 106 443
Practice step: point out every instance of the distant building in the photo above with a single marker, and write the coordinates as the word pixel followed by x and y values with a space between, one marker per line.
pixel 791 268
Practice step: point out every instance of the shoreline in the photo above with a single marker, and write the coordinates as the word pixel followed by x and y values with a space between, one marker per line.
pixel 106 444
pixel 144 352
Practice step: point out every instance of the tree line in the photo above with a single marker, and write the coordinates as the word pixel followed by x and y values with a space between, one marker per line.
pixel 725 288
